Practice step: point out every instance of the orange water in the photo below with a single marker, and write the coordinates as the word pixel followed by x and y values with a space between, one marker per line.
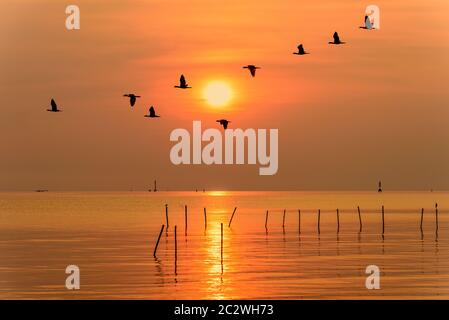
pixel 111 238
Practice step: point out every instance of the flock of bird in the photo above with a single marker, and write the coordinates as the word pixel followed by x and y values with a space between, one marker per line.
pixel 183 85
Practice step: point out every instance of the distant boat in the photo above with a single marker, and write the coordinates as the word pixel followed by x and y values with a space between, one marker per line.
pixel 41 190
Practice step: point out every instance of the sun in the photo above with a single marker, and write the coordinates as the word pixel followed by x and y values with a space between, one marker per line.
pixel 217 93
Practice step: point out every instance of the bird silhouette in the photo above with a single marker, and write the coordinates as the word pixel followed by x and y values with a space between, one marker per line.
pixel 252 69
pixel 336 39
pixel 224 123
pixel 54 106
pixel 367 24
pixel 182 83
pixel 151 113
pixel 300 50
pixel 132 98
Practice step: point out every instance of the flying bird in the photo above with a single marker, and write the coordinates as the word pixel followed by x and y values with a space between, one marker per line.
pixel 54 106
pixel 151 113
pixel 182 83
pixel 224 123
pixel 132 98
pixel 367 24
pixel 300 50
pixel 336 39
pixel 252 69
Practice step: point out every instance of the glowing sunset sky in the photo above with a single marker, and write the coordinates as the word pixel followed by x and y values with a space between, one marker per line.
pixel 375 108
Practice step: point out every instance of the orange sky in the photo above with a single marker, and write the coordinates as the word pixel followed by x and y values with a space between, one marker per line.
pixel 375 108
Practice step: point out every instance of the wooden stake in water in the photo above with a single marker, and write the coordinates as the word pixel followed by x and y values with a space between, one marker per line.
pixel 360 219
pixel 338 221
pixel 319 217
pixel 299 220
pixel 232 217
pixel 221 246
pixel 436 217
pixel 176 253
pixel 157 242
pixel 185 214
pixel 422 218
pixel 383 220
pixel 266 220
pixel 166 215
pixel 205 219
pixel 283 220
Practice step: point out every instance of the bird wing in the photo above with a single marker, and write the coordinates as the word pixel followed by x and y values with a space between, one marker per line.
pixel 152 112
pixel 132 101
pixel 54 106
pixel 182 81
pixel 225 124
pixel 253 71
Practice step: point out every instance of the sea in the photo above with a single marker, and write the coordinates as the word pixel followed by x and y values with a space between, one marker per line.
pixel 280 245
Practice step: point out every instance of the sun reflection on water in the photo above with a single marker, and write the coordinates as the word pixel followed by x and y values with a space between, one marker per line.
pixel 217 193
pixel 215 269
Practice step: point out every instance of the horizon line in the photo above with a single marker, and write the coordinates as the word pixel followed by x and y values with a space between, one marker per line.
pixel 227 190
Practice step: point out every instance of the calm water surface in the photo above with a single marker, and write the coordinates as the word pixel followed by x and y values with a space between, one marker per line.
pixel 111 238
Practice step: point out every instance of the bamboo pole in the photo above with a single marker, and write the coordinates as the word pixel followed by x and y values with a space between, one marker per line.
pixel 166 215
pixel 319 217
pixel 158 239
pixel 422 218
pixel 266 220
pixel 383 220
pixel 338 221
pixel 221 244
pixel 283 220
pixel 360 219
pixel 205 219
pixel 232 217
pixel 299 221
pixel 436 217
pixel 176 253
pixel 185 214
